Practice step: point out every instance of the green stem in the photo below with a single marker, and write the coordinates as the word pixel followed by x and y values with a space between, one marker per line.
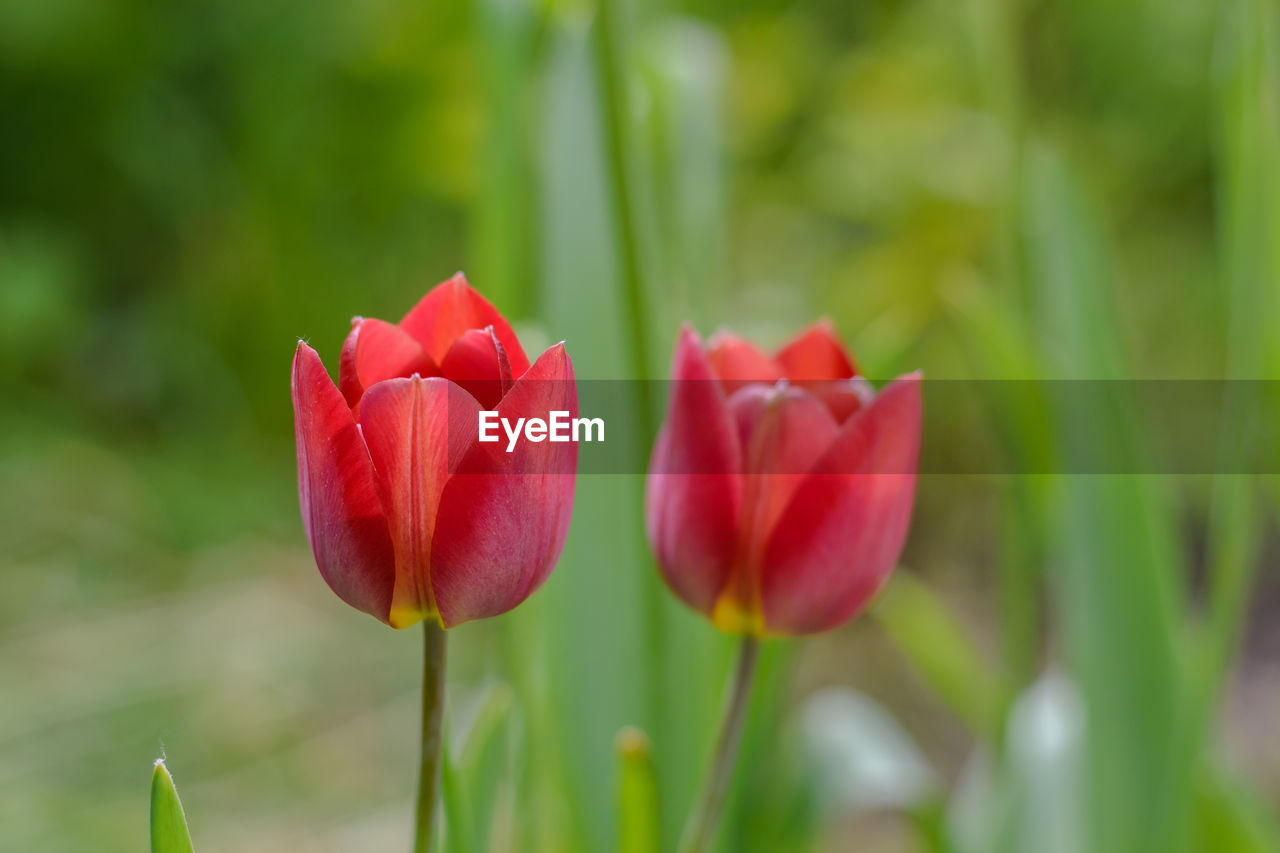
pixel 432 716
pixel 702 822
pixel 613 94
pixel 611 64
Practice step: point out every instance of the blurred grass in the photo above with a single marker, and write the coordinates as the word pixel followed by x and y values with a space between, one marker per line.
pixel 991 189
pixel 168 824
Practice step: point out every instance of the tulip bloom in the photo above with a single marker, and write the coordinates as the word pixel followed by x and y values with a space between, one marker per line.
pixel 780 487
pixel 408 515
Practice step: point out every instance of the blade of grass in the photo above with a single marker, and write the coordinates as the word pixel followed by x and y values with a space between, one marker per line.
pixel 169 833
pixel 1003 350
pixel 676 155
pixel 499 258
pixel 1115 556
pixel 771 799
pixel 1247 184
pixel 597 634
pixel 453 800
pixel 477 769
pixel 685 65
pixel 637 794
pixel 1249 191
pixel 1229 818
pixel 998 346
pixel 939 647
pixel 613 67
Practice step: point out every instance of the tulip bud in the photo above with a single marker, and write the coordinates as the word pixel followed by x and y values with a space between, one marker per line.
pixel 780 487
pixel 408 515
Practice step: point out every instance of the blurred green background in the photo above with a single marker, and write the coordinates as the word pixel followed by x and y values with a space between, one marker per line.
pixel 1013 189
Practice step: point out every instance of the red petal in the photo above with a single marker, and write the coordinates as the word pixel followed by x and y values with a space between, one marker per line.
pixel 737 361
pixel 843 530
pixel 478 362
pixel 789 430
pixel 694 489
pixel 816 352
pixel 504 516
pixel 417 431
pixel 842 397
pixel 453 307
pixel 377 350
pixel 340 507
pixel 792 430
pixel 746 407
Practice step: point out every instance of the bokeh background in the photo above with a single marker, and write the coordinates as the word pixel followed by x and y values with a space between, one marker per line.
pixel 1008 189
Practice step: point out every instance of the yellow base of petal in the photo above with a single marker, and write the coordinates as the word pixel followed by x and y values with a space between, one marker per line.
pixel 405 617
pixel 730 616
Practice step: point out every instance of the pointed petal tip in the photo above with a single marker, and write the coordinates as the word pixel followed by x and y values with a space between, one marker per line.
pixel 688 339
pixel 555 359
pixel 720 335
pixel 690 360
pixel 458 280
pixel 817 352
pixel 909 382
pixel 305 356
pixel 453 307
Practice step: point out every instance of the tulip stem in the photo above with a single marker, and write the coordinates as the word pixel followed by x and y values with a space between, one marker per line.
pixel 432 716
pixel 702 822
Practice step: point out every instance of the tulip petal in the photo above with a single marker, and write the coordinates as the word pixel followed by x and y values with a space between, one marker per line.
pixel 789 430
pixel 341 510
pixel 746 407
pixel 377 350
pixel 504 516
pixel 842 397
pixel 843 529
pixel 816 352
pixel 694 489
pixel 477 361
pixel 792 430
pixel 417 431
pixel 453 307
pixel 737 361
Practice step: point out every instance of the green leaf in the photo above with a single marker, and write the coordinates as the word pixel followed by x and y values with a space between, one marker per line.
pixel 596 621
pixel 1230 819
pixel 453 799
pixel 1248 132
pixel 1115 558
pixel 637 794
pixel 169 832
pixel 940 648
pixel 478 769
pixel 605 617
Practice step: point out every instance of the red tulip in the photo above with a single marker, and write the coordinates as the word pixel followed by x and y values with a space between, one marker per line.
pixel 780 487
pixel 408 515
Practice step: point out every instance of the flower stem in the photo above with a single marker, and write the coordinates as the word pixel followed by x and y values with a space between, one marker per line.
pixel 432 716
pixel 702 822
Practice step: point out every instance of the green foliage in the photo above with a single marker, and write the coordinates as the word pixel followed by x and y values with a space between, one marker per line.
pixel 943 652
pixel 992 189
pixel 479 772
pixel 637 794
pixel 169 832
